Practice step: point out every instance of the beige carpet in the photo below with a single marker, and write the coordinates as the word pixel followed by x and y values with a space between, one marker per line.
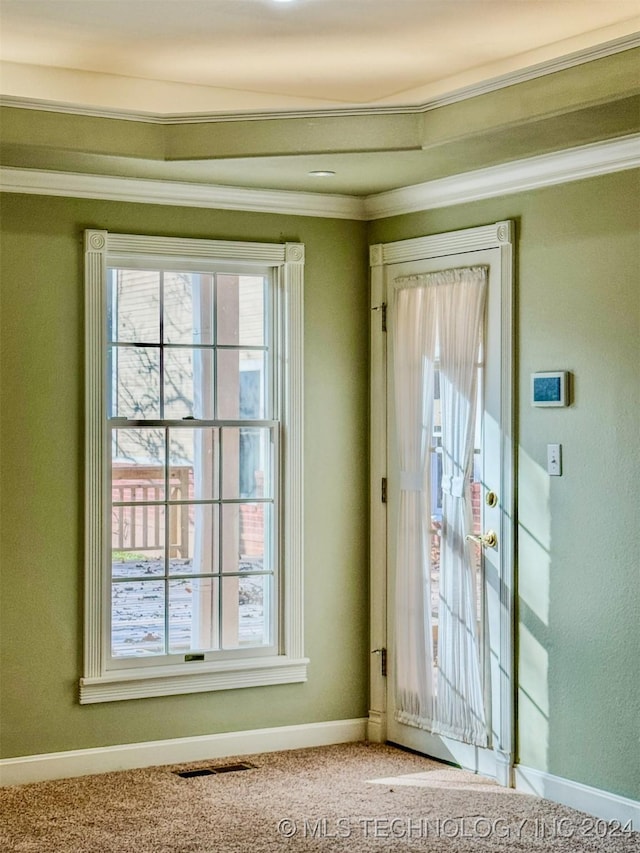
pixel 355 797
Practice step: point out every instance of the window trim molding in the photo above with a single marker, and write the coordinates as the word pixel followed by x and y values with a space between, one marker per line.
pixel 98 684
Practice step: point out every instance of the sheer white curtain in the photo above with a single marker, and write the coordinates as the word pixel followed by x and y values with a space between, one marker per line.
pixel 414 324
pixel 459 704
pixel 439 311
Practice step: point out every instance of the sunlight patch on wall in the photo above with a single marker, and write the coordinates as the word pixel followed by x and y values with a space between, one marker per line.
pixel 533 700
pixel 534 578
pixel 534 537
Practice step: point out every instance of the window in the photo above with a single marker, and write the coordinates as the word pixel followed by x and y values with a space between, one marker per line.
pixel 193 466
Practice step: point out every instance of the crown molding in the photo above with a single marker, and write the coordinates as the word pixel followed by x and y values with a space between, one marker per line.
pixel 183 194
pixel 492 84
pixel 573 164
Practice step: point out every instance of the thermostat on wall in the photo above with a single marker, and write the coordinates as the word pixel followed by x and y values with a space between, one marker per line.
pixel 549 389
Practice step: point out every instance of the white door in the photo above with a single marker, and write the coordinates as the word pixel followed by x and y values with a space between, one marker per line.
pixel 490 560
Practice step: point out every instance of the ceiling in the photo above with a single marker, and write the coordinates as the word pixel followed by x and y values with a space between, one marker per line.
pixel 230 55
pixel 231 60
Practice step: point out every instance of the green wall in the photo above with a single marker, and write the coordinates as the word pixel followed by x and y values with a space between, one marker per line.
pixel 42 480
pixel 578 308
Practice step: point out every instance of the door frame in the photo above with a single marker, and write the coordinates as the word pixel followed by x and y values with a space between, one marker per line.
pixel 498 235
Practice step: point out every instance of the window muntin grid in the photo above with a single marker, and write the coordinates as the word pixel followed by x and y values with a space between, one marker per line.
pixel 193 463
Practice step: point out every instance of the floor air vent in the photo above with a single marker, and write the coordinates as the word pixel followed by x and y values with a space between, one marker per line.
pixel 213 771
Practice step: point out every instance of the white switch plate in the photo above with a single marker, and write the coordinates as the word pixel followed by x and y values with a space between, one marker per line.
pixel 554 460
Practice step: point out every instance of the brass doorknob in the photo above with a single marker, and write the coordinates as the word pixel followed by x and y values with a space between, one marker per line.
pixel 487 540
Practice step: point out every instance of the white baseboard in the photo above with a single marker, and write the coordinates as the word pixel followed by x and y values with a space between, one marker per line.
pixel 81 762
pixel 593 801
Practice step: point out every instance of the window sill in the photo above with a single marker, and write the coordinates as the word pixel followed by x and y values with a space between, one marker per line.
pixel 171 681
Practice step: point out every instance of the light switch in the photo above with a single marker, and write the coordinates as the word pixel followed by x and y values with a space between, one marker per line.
pixel 554 460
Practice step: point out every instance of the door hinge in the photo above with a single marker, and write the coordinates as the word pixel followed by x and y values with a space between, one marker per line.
pixel 382 308
pixel 383 660
pixel 383 490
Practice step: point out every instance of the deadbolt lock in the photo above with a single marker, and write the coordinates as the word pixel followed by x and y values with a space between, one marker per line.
pixel 491 499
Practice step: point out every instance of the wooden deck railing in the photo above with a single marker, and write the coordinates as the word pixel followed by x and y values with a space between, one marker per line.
pixel 139 526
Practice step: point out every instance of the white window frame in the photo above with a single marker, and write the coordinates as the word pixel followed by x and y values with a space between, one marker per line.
pixel 288 665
